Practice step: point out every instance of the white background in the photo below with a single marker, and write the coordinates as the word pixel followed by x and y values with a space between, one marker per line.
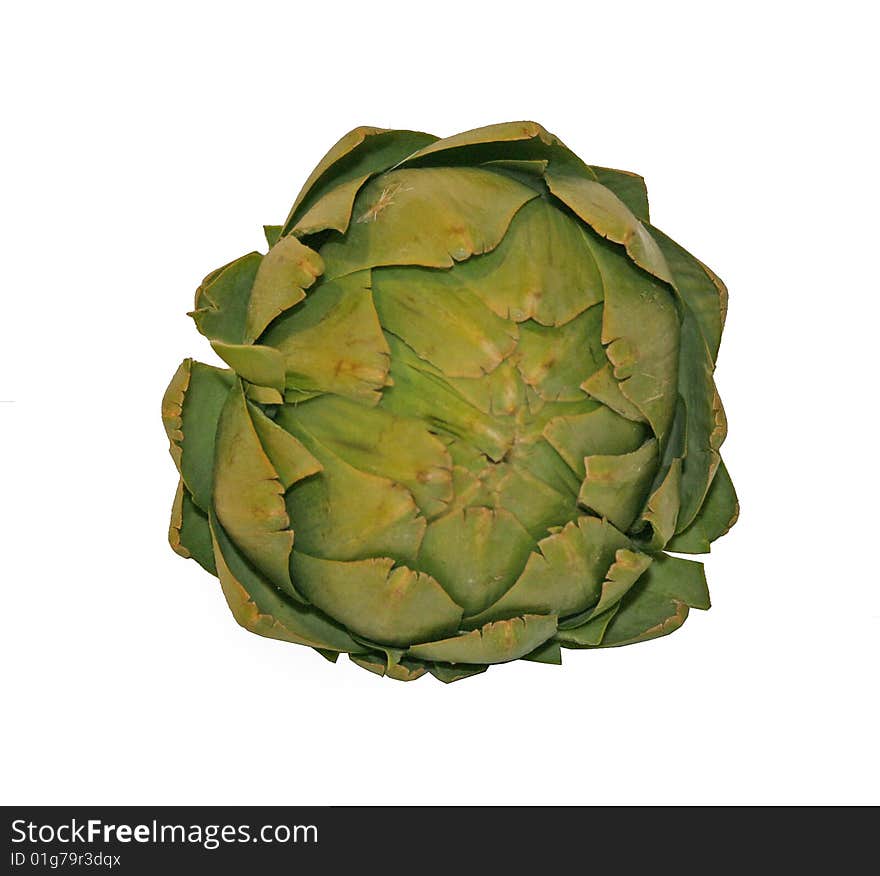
pixel 146 144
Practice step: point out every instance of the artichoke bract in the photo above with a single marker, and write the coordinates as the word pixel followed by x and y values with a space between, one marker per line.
pixel 469 406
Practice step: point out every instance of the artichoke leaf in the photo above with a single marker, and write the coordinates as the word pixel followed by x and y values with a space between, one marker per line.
pixel 263 395
pixel 543 269
pixel 722 297
pixel 285 272
pixel 390 662
pixel 598 432
pixel 290 459
pixel 437 316
pixel 374 663
pixel 616 486
pixel 191 410
pixel 496 136
pixel 531 167
pixel 706 426
pixel 659 602
pixel 555 361
pixel 272 233
pixel 536 504
pixel 333 342
pixel 431 217
pixel 496 642
pixel 259 365
pixel 448 672
pixel 508 141
pixel 661 510
pixel 605 389
pixel 609 217
pixel 263 609
pixel 189 533
pixel 405 670
pixel 221 305
pixel 374 598
pixel 332 211
pixel 248 495
pixel 641 331
pixel 624 572
pixel 383 521
pixel 362 151
pixel 628 186
pixel 698 289
pixel 541 460
pixel 716 516
pixel 498 393
pixel 420 391
pixel 375 441
pixel 475 553
pixel 564 575
pixel 549 652
pixel 589 633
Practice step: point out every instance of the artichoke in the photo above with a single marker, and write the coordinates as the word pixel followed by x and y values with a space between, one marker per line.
pixel 469 405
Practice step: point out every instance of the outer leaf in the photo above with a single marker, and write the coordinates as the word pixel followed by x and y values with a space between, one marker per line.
pixel 508 141
pixel 248 495
pixel 405 670
pixel 374 663
pixel 627 568
pixel 272 233
pixel 222 300
pixel 360 152
pixel 549 652
pixel 588 634
pixel 189 533
pixel 375 599
pixel 606 214
pixel 191 410
pixel 641 328
pixel 658 604
pixel 448 672
pixel 717 515
pixel 629 187
pixel 706 426
pixel 333 210
pixel 496 642
pixel 495 136
pixel 263 609
pixel 698 288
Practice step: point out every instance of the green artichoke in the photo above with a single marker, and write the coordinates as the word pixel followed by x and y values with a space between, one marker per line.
pixel 469 403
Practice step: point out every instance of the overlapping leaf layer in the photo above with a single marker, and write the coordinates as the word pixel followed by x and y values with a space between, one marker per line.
pixel 469 403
